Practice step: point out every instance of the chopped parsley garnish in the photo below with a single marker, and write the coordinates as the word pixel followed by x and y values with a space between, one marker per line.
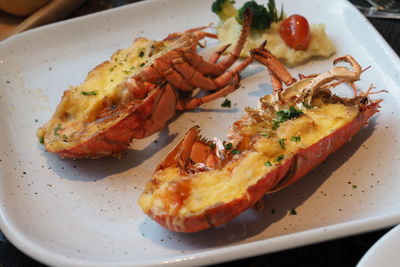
pixel 141 54
pixel 268 163
pixel 41 140
pixel 228 146
pixel 65 138
pixel 284 115
pixel 307 106
pixel 56 129
pixel 279 158
pixel 275 124
pixel 111 69
pixel 132 67
pixel 111 80
pixel 265 135
pixel 89 93
pixel 236 151
pixel 141 65
pixel 293 212
pixel 354 186
pixel 282 143
pixel 295 138
pixel 226 103
pixel 126 71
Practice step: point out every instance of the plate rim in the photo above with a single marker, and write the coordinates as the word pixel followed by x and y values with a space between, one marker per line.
pixel 369 255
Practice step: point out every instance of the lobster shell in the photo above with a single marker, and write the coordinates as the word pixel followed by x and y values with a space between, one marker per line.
pixel 291 170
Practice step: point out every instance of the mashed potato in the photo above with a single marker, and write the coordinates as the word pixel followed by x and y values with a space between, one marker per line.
pixel 320 45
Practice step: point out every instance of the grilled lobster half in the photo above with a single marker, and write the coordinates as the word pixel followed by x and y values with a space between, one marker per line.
pixel 202 184
pixel 135 93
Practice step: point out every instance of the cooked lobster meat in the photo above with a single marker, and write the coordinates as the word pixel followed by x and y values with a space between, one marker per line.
pixel 203 183
pixel 135 93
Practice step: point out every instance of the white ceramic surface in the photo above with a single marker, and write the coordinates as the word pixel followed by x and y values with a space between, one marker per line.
pixel 85 212
pixel 385 252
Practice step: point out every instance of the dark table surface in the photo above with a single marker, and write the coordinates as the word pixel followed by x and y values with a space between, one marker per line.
pixel 340 252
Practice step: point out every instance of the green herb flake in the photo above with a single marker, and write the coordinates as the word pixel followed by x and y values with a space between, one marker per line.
pixel 65 138
pixel 293 212
pixel 228 146
pixel 279 158
pixel 141 65
pixel 226 103
pixel 282 143
pixel 236 151
pixel 354 186
pixel 89 92
pixel 268 164
pixel 275 124
pixel 307 106
pixel 284 115
pixel 41 140
pixel 56 129
pixel 212 145
pixel 111 69
pixel 141 54
pixel 265 135
pixel 126 72
pixel 296 138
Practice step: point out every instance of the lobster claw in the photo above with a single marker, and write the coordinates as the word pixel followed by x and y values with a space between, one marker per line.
pixel 162 109
pixel 192 154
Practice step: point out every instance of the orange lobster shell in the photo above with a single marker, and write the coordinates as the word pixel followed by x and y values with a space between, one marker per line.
pixel 284 173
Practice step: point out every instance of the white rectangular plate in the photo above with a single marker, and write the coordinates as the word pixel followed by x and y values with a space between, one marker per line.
pixel 85 212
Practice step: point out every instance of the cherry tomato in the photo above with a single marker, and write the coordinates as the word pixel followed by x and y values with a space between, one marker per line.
pixel 295 32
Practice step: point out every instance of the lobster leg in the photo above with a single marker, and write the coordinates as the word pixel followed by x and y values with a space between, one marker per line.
pixel 266 58
pixel 210 67
pixel 218 53
pixel 176 35
pixel 196 102
pixel 276 83
pixel 196 79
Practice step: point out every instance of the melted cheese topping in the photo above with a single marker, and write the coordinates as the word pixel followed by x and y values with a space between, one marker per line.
pixel 320 45
pixel 211 188
pixel 102 88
